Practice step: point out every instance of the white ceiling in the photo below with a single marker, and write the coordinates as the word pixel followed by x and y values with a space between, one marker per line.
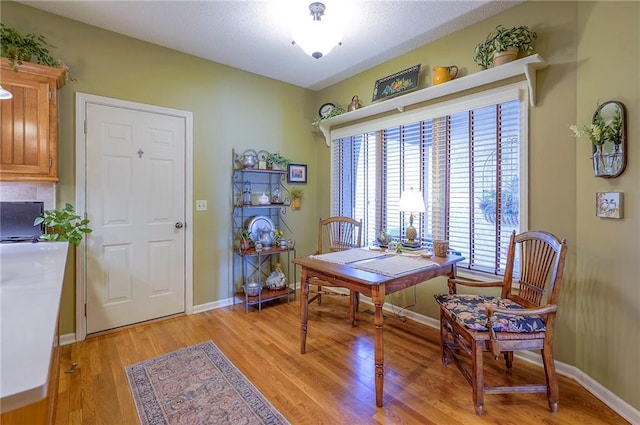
pixel 255 36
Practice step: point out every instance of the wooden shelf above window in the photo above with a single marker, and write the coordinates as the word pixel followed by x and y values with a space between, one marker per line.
pixel 526 66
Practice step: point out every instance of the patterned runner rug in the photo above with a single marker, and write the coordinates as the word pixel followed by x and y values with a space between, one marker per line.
pixel 197 385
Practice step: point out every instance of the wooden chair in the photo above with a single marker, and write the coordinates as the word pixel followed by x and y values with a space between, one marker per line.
pixel 342 233
pixel 516 320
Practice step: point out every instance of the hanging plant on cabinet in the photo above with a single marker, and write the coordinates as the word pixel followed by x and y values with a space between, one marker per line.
pixel 19 48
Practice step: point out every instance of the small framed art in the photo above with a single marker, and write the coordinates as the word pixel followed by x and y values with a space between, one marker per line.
pixel 396 83
pixel 609 204
pixel 297 173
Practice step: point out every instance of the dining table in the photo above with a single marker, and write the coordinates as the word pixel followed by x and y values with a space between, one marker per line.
pixel 374 273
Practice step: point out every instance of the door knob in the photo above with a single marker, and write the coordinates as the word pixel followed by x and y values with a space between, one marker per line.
pixel 179 225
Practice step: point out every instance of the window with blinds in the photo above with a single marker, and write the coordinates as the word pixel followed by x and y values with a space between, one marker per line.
pixel 468 163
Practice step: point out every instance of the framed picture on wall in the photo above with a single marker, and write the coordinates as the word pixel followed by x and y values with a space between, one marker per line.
pixel 609 204
pixel 297 173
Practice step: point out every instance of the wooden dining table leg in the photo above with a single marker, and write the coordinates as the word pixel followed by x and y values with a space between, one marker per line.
pixel 377 297
pixel 304 310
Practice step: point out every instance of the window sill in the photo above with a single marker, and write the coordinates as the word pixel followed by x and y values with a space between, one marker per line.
pixel 526 66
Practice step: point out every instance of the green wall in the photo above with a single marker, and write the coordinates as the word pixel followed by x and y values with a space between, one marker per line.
pixel 231 109
pixel 593 49
pixel 594 54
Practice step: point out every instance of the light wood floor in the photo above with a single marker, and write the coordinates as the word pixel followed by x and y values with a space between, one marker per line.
pixel 331 384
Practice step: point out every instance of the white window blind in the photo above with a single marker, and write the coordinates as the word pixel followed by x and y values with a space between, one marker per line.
pixel 469 163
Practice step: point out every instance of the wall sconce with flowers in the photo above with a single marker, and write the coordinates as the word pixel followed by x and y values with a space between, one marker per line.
pixel 608 135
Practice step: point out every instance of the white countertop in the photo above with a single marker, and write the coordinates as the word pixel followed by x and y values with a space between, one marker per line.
pixel 31 276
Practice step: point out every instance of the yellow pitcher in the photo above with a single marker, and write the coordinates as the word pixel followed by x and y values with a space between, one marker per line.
pixel 444 73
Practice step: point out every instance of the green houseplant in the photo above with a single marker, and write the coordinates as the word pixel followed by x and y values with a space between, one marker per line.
pixel 504 45
pixel 245 239
pixel 483 55
pixel 278 160
pixel 63 225
pixel 335 111
pixel 20 48
pixel 296 198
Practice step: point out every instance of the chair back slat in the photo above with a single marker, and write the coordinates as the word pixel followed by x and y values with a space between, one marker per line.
pixel 541 264
pixel 342 233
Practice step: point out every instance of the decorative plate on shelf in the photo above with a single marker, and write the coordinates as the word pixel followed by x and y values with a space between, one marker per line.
pixel 259 224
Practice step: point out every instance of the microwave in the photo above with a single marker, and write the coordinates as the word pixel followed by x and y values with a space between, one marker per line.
pixel 16 221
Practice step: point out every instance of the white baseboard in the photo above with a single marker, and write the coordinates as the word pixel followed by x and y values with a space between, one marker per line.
pixel 67 339
pixel 200 308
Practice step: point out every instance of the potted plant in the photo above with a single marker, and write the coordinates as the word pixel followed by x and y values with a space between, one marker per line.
pixel 334 112
pixel 277 161
pixel 245 239
pixel 508 42
pixel 278 237
pixel 504 45
pixel 63 225
pixel 28 48
pixel 483 55
pixel 296 198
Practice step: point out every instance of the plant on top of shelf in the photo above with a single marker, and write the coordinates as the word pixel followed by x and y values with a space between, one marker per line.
pixel 245 239
pixel 482 55
pixel 337 110
pixel 278 160
pixel 20 48
pixel 511 40
pixel 63 225
pixel 277 236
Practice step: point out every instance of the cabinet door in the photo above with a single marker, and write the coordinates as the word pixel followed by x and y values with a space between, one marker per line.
pixel 28 139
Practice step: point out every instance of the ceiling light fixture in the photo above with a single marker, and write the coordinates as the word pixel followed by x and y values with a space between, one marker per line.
pixel 321 36
pixel 5 94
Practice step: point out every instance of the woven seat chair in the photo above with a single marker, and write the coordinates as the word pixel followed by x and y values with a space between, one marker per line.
pixel 342 233
pixel 521 318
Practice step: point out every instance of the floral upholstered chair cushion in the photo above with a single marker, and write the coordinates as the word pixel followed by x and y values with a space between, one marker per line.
pixel 469 311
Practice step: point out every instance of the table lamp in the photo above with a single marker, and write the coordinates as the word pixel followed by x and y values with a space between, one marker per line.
pixel 411 201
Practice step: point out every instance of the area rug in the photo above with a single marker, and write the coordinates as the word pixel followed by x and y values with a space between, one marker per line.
pixel 197 385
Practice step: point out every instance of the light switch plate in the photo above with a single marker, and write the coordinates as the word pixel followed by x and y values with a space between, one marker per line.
pixel 201 205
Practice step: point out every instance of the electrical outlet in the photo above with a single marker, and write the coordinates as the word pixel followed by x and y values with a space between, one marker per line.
pixel 201 205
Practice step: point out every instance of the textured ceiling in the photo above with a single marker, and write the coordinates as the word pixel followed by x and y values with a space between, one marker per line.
pixel 255 36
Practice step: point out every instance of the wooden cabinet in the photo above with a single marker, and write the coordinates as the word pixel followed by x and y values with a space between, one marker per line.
pixel 29 132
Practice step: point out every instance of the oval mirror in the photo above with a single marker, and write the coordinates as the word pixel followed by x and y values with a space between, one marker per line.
pixel 610 158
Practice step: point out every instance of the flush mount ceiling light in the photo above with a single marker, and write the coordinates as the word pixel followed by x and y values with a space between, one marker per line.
pixel 318 38
pixel 5 94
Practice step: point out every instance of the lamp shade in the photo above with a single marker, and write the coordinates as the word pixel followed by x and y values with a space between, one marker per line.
pixel 5 94
pixel 412 201
pixel 317 37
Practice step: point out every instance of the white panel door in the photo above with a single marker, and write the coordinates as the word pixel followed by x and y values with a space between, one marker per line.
pixel 135 200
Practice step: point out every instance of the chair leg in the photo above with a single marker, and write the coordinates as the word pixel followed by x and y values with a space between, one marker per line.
pixel 319 294
pixel 508 358
pixel 553 393
pixel 477 377
pixel 444 337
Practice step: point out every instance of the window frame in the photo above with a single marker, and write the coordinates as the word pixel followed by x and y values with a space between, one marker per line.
pixel 515 91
